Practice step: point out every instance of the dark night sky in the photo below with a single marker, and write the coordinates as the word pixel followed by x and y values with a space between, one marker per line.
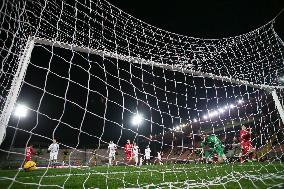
pixel 202 19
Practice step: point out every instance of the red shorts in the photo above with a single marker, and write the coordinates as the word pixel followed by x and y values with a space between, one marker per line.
pixel 28 158
pixel 128 155
pixel 246 147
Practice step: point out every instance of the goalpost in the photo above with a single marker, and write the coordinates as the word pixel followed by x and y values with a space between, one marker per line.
pixel 270 89
pixel 88 67
pixel 15 87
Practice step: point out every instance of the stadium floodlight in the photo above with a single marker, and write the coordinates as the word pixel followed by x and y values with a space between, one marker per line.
pixel 205 117
pixel 137 119
pixel 221 110
pixel 194 120
pixel 177 128
pixel 21 111
pixel 240 101
pixel 212 114
pixel 232 105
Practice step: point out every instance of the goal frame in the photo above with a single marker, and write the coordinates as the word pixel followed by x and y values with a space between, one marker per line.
pixel 24 61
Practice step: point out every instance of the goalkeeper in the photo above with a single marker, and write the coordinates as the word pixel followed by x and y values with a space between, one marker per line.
pixel 215 147
pixel 29 166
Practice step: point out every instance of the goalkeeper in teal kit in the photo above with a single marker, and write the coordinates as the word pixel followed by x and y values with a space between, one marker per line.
pixel 215 147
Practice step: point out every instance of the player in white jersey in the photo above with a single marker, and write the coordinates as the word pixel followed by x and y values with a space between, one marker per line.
pixel 54 149
pixel 147 155
pixel 135 150
pixel 111 152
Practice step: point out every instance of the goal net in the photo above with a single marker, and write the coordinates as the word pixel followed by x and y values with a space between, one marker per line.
pixel 87 73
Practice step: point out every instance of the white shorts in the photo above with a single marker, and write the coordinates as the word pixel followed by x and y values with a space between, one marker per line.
pixel 135 157
pixel 147 157
pixel 53 155
pixel 111 155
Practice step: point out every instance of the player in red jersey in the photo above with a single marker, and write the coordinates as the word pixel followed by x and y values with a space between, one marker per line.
pixel 247 149
pixel 29 152
pixel 128 150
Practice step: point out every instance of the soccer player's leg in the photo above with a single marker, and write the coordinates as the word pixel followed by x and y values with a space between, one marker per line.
pixel 55 157
pixel 245 151
pixel 147 160
pixel 51 158
pixel 111 158
pixel 208 156
pixel 221 155
pixel 128 156
pixel 136 159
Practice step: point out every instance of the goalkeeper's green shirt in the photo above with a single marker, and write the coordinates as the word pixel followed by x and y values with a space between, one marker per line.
pixel 212 141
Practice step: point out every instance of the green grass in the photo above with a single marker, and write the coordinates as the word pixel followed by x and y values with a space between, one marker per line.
pixel 248 175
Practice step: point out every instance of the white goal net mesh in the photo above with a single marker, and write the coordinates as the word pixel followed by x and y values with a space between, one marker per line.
pixel 84 70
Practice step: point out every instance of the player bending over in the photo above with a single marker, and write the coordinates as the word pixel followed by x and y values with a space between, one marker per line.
pixel 247 149
pixel 147 155
pixel 215 146
pixel 128 151
pixel 29 166
pixel 54 149
pixel 111 152
pixel 135 150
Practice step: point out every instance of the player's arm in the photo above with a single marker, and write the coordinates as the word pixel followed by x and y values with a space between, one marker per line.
pixel 32 150
pixel 249 130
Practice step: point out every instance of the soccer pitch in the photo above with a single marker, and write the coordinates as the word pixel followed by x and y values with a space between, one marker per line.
pixel 247 175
